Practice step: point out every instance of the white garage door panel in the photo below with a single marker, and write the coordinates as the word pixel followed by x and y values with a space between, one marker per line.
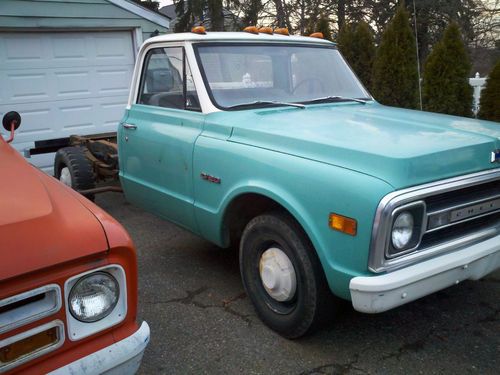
pixel 42 85
pixel 52 50
pixel 64 83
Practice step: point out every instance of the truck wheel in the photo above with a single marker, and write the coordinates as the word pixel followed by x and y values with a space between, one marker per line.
pixel 282 275
pixel 72 168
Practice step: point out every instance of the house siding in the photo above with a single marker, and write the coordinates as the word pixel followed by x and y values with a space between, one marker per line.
pixel 71 14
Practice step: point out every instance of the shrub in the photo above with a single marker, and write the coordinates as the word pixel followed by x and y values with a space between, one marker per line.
pixel 345 42
pixel 445 87
pixel 490 96
pixel 395 74
pixel 364 52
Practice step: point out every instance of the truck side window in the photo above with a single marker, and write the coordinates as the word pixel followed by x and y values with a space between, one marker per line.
pixel 165 82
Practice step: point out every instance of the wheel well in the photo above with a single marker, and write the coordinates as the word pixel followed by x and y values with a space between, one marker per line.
pixel 247 206
pixel 243 209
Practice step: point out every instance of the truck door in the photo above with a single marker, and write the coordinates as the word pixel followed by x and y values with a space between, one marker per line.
pixel 157 138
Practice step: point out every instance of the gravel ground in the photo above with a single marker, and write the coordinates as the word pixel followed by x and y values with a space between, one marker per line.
pixel 201 321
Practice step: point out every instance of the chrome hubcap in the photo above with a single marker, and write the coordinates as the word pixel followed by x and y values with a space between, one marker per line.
pixel 65 177
pixel 277 274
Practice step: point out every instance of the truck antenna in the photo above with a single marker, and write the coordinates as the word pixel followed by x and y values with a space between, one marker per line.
pixel 418 56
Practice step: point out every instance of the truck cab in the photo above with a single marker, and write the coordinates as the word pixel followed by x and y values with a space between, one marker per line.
pixel 269 142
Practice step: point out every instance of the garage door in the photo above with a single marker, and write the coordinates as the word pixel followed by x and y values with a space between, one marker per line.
pixel 64 83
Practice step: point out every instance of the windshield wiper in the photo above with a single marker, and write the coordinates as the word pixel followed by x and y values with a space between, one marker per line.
pixel 334 99
pixel 266 102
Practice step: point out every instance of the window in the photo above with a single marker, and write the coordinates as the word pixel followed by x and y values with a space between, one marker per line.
pixel 167 81
pixel 239 74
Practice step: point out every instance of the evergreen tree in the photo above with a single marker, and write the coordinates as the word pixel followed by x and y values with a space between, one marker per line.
pixel 357 46
pixel 395 75
pixel 251 10
pixel 446 86
pixel 150 4
pixel 490 96
pixel 323 26
pixel 364 52
pixel 189 13
pixel 192 12
pixel 214 8
pixel 345 43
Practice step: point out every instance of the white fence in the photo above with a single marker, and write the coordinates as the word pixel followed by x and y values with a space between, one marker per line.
pixel 477 84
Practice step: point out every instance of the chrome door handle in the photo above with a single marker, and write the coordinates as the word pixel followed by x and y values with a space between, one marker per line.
pixel 129 126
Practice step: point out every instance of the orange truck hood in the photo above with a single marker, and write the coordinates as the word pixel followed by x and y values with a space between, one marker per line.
pixel 42 222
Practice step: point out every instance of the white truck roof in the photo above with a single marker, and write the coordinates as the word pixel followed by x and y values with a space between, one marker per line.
pixel 236 36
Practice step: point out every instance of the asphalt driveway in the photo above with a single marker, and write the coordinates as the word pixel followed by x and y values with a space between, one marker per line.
pixel 202 322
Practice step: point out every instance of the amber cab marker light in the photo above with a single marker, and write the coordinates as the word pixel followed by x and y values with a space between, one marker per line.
pixel 317 35
pixel 198 30
pixel 251 29
pixel 282 31
pixel 343 224
pixel 266 30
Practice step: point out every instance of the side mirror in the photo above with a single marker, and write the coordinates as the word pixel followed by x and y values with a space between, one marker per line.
pixel 11 122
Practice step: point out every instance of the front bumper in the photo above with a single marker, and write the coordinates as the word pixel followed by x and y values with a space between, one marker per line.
pixel 374 294
pixel 121 358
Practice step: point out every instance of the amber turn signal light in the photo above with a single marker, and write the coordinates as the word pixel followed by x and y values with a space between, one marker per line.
pixel 317 35
pixel 343 224
pixel 282 31
pixel 251 29
pixel 266 30
pixel 198 30
pixel 26 346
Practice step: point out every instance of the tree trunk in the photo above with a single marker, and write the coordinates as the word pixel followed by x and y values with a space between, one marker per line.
pixel 341 13
pixel 280 13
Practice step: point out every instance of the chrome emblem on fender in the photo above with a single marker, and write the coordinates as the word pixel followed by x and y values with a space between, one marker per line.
pixel 495 156
pixel 209 178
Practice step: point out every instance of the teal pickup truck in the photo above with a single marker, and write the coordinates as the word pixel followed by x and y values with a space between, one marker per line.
pixel 270 142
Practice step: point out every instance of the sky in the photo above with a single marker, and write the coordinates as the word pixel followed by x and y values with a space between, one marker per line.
pixel 164 2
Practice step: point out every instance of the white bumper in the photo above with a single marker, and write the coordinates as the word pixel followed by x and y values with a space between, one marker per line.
pixel 374 294
pixel 121 358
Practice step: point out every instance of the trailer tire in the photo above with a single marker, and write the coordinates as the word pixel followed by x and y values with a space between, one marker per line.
pixel 74 169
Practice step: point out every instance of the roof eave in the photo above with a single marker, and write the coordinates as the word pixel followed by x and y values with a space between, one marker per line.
pixel 154 17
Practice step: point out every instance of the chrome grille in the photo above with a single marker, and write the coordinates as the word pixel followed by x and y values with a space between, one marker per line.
pixel 21 309
pixel 463 229
pixel 478 206
pixel 459 212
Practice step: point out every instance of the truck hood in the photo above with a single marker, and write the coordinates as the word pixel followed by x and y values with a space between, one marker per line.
pixel 42 223
pixel 401 147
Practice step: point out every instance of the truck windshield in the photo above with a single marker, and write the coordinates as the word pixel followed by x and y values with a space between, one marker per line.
pixel 242 76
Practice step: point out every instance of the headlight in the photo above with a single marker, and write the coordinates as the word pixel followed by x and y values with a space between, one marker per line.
pixel 408 225
pixel 93 297
pixel 402 230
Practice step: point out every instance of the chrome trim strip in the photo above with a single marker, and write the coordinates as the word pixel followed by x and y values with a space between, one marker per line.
pixel 10 324
pixel 494 199
pixel 463 205
pixel 37 353
pixel 377 262
pixel 462 221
